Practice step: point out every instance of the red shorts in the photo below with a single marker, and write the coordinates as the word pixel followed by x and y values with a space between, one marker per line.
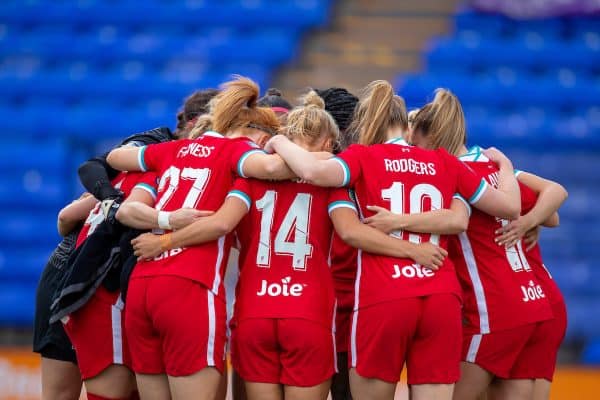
pixel 498 352
pixel 538 358
pixel 425 332
pixel 175 325
pixel 96 332
pixel 293 352
pixel 343 316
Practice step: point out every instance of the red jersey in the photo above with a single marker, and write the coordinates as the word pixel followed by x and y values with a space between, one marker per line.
pixel 405 179
pixel 534 257
pixel 285 241
pixel 126 182
pixel 196 174
pixel 500 291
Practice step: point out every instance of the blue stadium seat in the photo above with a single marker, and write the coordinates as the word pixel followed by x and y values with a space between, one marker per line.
pixel 583 318
pixel 591 353
pixel 23 266
pixel 14 309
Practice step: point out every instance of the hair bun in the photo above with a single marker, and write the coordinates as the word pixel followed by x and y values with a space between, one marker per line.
pixel 312 98
pixel 274 92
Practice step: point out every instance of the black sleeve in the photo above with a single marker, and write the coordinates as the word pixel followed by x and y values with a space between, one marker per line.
pixel 95 175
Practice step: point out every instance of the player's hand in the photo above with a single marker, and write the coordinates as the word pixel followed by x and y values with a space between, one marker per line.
pixel 185 216
pixel 147 246
pixel 531 237
pixel 270 145
pixel 384 220
pixel 429 255
pixel 511 233
pixel 496 155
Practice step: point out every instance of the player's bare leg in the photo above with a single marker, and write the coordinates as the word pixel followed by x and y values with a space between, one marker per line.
pixel 370 389
pixel 473 382
pixel 340 383
pixel 153 387
pixel 222 392
pixel 320 391
pixel 203 385
pixel 511 389
pixel 264 391
pixel 541 389
pixel 60 380
pixel 238 387
pixel 431 391
pixel 115 382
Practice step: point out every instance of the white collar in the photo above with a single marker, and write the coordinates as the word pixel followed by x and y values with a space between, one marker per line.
pixel 213 134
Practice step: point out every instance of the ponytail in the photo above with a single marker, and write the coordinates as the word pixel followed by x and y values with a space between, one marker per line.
pixel 378 111
pixel 443 122
pixel 236 107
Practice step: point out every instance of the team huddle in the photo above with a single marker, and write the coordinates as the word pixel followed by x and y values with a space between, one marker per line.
pixel 370 239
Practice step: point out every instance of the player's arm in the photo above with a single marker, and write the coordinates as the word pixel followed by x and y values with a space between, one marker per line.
pixel 203 230
pixel 358 235
pixel 441 222
pixel 505 201
pixel 138 215
pixel 126 158
pixel 74 213
pixel 308 166
pixel 551 196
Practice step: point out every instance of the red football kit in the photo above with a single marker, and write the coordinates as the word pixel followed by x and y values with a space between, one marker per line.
pixel 343 268
pixel 539 360
pixel 406 179
pixel 176 302
pixel 96 330
pixel 501 294
pixel 285 301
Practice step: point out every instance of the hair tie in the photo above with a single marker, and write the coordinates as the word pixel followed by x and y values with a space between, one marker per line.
pixel 280 109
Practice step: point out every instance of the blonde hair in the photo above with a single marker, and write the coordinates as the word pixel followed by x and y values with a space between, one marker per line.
pixel 235 107
pixel 442 121
pixel 378 111
pixel 202 124
pixel 310 122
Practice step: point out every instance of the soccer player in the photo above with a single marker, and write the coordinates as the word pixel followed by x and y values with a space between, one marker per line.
pixel 179 351
pixel 549 334
pixel 60 375
pixel 340 103
pixel 96 329
pixel 404 312
pixel 275 101
pixel 283 343
pixel 504 302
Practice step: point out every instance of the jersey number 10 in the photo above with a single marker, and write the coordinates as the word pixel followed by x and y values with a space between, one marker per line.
pixel 396 194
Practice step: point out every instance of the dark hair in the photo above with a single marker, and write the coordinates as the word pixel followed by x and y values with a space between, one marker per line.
pixel 274 98
pixel 340 103
pixel 197 103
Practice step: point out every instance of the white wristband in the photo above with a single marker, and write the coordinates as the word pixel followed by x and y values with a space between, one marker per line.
pixel 163 220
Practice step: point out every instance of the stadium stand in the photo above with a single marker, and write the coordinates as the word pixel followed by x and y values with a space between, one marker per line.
pixel 532 88
pixel 76 76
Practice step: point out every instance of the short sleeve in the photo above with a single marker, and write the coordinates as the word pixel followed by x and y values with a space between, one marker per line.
pixel 241 189
pixel 350 162
pixel 468 184
pixel 464 201
pixel 152 157
pixel 340 198
pixel 148 182
pixel 240 151
pixel 528 198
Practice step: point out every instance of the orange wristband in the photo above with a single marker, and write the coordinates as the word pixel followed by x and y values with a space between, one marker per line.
pixel 165 241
